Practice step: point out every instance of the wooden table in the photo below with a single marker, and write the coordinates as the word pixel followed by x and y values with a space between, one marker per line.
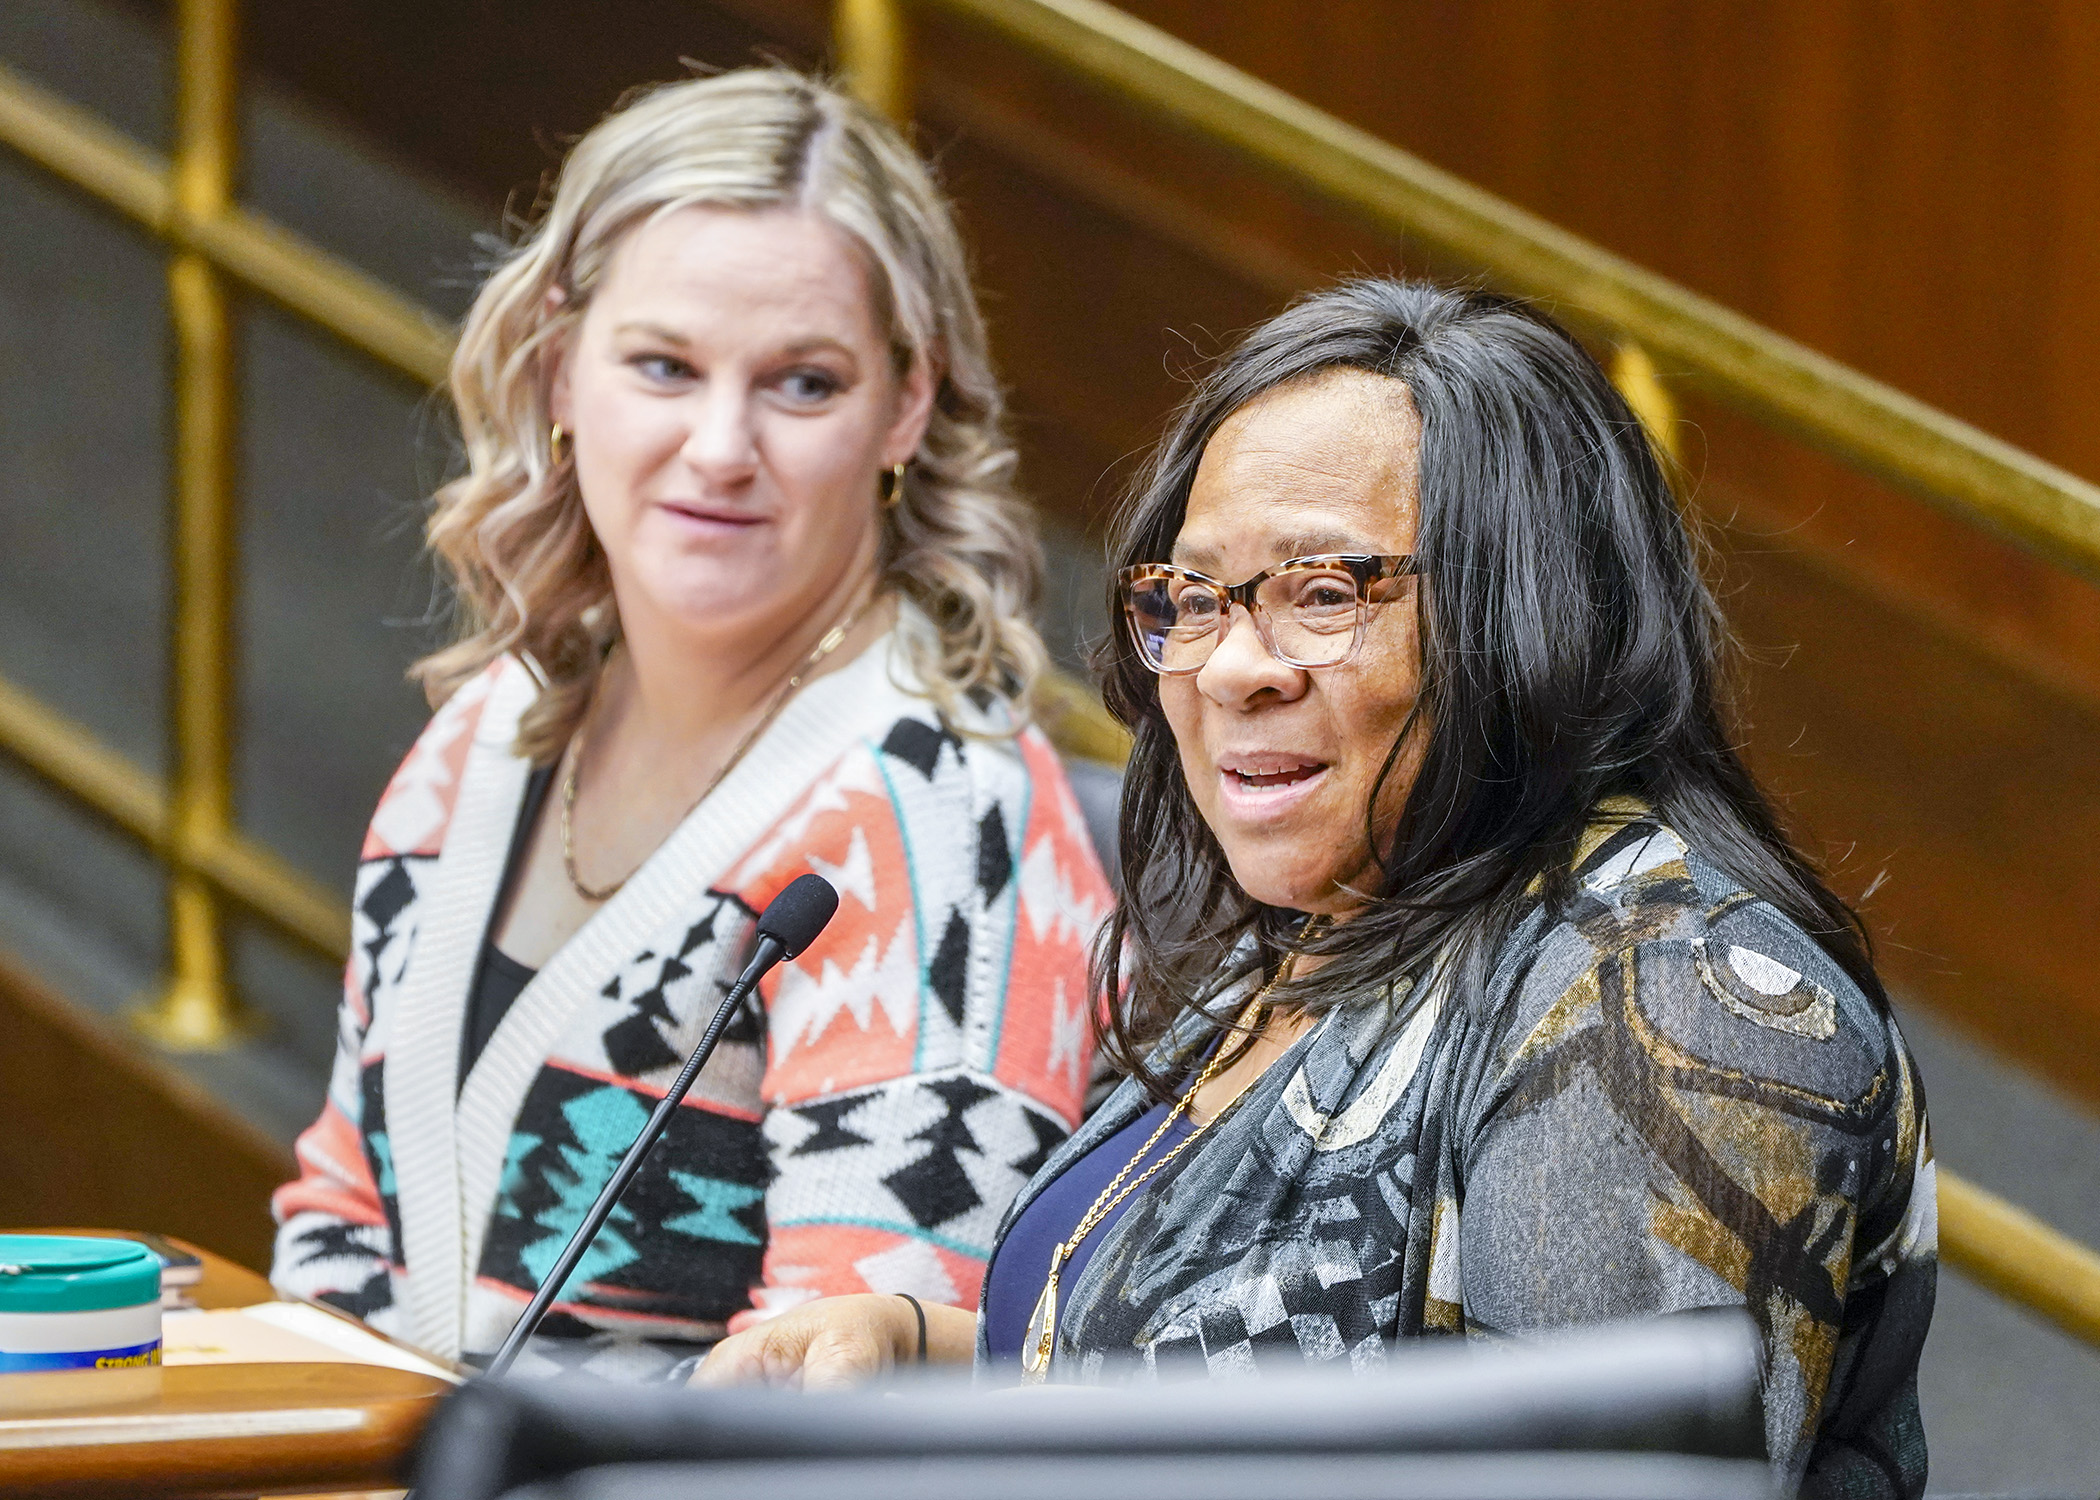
pixel 250 1429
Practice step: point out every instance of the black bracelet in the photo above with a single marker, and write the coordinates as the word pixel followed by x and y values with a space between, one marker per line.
pixel 920 1313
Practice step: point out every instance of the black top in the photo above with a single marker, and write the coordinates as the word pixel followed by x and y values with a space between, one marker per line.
pixel 498 978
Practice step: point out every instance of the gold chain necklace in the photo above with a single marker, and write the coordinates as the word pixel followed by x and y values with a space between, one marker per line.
pixel 832 638
pixel 1041 1338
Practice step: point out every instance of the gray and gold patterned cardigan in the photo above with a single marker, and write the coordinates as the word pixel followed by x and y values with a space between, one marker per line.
pixel 1670 1098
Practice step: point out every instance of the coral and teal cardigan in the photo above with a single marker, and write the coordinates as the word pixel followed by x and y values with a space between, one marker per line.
pixel 861 1129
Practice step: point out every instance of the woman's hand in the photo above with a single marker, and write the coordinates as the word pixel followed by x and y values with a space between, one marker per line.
pixel 838 1342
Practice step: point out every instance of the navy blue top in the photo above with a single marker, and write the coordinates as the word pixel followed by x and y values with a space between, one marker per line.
pixel 1021 1264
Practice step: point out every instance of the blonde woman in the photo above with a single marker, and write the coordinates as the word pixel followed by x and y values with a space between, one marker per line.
pixel 743 588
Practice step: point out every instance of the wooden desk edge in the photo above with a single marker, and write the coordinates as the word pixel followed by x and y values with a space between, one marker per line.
pixel 276 1428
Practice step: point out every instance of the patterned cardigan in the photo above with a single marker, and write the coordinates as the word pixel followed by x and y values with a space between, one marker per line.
pixel 861 1130
pixel 1670 1098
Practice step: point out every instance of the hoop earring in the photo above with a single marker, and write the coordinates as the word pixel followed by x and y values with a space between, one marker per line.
pixel 893 492
pixel 556 440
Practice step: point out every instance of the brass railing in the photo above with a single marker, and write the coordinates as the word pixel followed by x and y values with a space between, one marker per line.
pixel 188 203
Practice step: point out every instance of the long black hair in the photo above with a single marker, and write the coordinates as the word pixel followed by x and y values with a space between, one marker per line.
pixel 1571 652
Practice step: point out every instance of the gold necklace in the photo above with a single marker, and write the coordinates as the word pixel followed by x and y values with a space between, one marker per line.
pixel 832 638
pixel 1039 1341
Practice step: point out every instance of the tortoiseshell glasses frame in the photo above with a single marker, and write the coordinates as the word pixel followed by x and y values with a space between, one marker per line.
pixel 1310 612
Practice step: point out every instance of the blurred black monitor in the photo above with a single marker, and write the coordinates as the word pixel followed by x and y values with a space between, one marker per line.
pixel 1652 1411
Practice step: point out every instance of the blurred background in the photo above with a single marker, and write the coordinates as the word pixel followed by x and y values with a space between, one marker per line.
pixel 1913 191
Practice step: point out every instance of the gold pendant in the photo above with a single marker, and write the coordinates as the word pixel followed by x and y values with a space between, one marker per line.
pixel 1038 1342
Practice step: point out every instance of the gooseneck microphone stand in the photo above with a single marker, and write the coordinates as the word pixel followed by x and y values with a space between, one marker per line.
pixel 789 924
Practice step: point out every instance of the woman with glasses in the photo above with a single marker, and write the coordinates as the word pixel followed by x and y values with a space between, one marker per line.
pixel 744 591
pixel 1464 981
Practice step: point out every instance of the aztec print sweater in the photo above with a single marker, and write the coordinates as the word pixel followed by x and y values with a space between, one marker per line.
pixel 1670 1098
pixel 862 1129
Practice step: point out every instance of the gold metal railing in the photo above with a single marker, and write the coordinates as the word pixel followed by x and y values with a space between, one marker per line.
pixel 188 203
pixel 2019 1257
pixel 193 1006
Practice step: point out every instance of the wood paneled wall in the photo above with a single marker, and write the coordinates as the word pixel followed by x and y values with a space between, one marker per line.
pixel 1910 188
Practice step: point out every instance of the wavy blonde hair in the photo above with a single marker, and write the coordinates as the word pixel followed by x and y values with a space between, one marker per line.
pixel 527 570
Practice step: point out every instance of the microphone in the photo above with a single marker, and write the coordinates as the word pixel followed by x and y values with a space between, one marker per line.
pixel 789 924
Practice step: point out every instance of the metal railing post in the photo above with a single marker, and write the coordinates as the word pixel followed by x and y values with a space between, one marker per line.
pixel 195 1008
pixel 874 52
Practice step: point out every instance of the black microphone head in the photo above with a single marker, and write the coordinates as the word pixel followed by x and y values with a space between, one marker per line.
pixel 795 916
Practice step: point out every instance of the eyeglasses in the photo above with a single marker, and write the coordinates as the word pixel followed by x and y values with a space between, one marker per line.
pixel 1309 612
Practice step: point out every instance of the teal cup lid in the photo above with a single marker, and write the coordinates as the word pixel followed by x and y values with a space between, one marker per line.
pixel 53 1273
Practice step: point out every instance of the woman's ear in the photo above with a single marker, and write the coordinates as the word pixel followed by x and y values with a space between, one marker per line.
pixel 915 392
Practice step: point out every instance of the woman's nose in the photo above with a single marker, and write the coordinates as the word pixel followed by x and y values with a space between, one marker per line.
pixel 1241 666
pixel 721 442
